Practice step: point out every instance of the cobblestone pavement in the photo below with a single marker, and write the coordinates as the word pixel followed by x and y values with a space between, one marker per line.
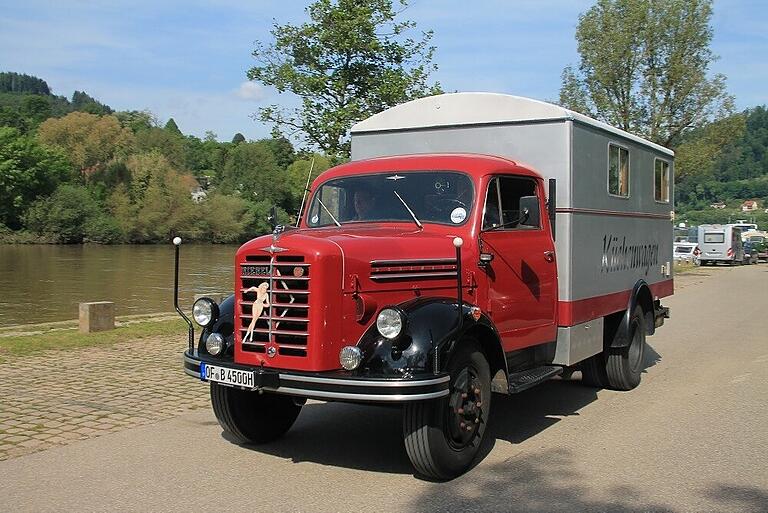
pixel 58 397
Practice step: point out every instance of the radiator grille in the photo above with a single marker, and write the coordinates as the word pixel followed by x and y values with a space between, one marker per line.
pixel 284 324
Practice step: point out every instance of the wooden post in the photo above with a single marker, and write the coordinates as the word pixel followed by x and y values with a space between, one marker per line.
pixel 97 316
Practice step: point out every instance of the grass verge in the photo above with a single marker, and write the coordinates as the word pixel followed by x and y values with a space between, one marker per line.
pixel 25 345
pixel 681 267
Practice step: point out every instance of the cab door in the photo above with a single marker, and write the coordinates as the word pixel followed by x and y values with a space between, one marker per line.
pixel 522 276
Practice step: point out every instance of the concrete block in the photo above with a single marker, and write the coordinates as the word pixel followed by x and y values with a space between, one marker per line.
pixel 97 316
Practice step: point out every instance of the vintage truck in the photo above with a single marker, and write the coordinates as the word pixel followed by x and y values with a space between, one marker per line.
pixel 475 243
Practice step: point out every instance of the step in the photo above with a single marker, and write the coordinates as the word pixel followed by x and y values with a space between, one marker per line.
pixel 519 381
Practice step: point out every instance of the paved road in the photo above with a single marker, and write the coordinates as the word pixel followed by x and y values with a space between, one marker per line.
pixel 693 437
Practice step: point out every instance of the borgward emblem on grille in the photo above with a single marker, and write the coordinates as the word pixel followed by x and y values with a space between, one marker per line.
pixel 273 249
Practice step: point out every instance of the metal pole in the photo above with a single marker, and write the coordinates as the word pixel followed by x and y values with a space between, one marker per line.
pixel 457 243
pixel 177 244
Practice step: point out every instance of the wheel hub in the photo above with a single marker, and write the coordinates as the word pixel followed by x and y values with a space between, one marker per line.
pixel 465 409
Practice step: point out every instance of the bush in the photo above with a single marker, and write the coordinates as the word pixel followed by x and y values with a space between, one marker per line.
pixel 66 215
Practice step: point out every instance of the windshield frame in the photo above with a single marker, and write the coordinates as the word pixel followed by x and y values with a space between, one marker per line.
pixel 406 218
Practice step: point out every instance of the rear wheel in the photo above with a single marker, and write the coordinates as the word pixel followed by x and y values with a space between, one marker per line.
pixel 443 436
pixel 624 365
pixel 250 417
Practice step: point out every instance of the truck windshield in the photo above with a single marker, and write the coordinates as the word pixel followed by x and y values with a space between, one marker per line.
pixel 443 197
pixel 714 237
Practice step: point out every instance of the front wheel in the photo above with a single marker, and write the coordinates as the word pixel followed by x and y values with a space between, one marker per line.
pixel 250 417
pixel 443 436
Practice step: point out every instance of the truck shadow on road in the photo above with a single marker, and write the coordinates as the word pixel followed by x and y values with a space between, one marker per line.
pixel 370 437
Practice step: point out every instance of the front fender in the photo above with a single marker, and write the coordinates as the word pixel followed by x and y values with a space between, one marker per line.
pixel 225 325
pixel 431 323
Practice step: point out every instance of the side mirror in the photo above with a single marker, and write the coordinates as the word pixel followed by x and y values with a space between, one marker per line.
pixel 529 211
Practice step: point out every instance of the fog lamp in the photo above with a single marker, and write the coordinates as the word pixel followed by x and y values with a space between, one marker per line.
pixel 205 311
pixel 390 323
pixel 350 357
pixel 215 344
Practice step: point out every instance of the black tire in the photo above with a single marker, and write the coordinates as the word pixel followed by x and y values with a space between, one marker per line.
pixel 624 365
pixel 593 372
pixel 250 417
pixel 443 436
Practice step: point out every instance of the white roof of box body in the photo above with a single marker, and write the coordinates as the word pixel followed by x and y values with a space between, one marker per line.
pixel 456 109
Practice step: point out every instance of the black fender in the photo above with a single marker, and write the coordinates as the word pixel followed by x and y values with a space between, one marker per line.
pixel 430 323
pixel 641 295
pixel 225 325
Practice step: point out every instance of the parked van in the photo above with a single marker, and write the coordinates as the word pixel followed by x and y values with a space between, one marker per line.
pixel 720 243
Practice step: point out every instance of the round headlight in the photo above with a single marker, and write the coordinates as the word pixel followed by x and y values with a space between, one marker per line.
pixel 350 357
pixel 215 344
pixel 204 311
pixel 390 323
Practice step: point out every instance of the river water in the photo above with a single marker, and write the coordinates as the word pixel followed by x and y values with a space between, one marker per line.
pixel 42 283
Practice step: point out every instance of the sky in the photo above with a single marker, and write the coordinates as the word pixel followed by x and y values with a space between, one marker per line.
pixel 187 59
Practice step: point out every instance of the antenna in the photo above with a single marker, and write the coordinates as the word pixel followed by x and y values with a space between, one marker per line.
pixel 306 190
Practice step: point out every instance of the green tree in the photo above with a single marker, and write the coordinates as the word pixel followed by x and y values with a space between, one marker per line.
pixel 157 204
pixel 136 120
pixel 89 140
pixel 172 127
pixel 297 174
pixel 168 143
pixel 83 102
pixel 644 67
pixel 351 60
pixel 225 219
pixel 238 138
pixel 17 83
pixel 35 108
pixel 28 170
pixel 71 215
pixel 252 172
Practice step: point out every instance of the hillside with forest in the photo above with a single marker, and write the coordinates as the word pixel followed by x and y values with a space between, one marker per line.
pixel 721 166
pixel 74 170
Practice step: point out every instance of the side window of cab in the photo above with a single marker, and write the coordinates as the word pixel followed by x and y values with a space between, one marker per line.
pixel 511 203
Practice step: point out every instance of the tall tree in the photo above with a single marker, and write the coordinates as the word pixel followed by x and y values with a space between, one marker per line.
pixel 172 127
pixel 28 170
pixel 16 83
pixel 91 141
pixel 351 60
pixel 644 67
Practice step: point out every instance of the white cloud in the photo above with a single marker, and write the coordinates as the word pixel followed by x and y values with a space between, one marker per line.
pixel 251 91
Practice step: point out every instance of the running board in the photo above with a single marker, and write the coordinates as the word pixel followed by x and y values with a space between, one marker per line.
pixel 519 381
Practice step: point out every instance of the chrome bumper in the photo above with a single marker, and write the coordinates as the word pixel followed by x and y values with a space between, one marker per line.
pixel 334 385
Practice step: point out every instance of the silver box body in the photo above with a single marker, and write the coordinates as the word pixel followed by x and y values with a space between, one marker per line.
pixel 604 243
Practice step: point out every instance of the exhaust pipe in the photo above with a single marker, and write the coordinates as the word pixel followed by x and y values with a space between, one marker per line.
pixel 177 244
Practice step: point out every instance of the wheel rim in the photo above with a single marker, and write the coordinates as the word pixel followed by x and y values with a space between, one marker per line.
pixel 465 409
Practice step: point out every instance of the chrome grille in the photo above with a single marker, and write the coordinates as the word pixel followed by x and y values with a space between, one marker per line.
pixel 283 325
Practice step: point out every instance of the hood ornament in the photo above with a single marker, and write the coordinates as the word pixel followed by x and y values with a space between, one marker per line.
pixel 274 248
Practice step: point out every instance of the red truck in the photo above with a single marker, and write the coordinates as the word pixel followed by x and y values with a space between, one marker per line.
pixel 433 279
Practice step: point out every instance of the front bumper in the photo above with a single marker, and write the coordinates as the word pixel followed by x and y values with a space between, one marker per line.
pixel 334 385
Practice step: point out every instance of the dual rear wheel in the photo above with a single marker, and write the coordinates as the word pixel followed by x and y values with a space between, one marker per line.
pixel 619 368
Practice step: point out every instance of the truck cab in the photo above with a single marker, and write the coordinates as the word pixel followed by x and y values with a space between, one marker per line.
pixel 431 281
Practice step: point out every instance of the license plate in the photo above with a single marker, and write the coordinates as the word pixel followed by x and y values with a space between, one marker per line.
pixel 227 376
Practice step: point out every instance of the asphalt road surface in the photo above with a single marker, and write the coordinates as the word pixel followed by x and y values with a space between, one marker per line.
pixel 693 437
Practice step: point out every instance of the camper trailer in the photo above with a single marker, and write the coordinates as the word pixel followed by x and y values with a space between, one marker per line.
pixel 720 243
pixel 475 244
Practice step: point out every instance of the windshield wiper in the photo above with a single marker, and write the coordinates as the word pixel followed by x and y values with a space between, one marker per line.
pixel 519 220
pixel 418 223
pixel 328 211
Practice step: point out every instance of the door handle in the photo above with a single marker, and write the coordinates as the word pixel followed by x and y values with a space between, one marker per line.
pixel 549 256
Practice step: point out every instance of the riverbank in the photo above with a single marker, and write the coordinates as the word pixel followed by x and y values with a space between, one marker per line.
pixel 28 340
